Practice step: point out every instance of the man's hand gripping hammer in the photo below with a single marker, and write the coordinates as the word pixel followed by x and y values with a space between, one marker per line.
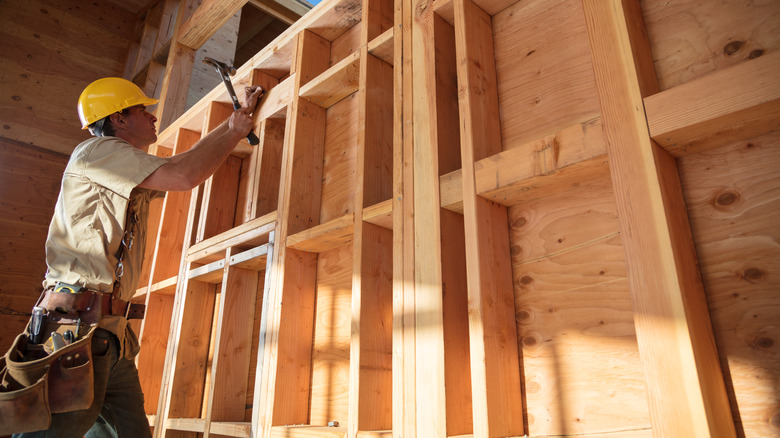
pixel 225 71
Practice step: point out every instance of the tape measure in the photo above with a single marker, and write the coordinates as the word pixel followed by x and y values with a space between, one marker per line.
pixel 67 288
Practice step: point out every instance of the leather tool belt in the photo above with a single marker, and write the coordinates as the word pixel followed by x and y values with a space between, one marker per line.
pixel 88 305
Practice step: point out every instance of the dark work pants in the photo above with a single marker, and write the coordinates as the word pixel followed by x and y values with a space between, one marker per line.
pixel 118 408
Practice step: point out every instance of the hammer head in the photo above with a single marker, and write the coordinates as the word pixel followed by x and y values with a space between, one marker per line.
pixel 222 68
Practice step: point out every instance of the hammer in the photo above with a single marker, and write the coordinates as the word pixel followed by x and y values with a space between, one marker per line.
pixel 225 71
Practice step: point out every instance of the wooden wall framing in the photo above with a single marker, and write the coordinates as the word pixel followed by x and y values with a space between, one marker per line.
pixel 477 218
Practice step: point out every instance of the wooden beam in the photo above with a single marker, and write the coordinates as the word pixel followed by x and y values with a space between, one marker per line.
pixel 404 349
pixel 230 368
pixel 206 21
pixel 428 330
pixel 287 362
pixel 276 10
pixel 495 363
pixel 334 84
pixel 739 102
pixel 686 391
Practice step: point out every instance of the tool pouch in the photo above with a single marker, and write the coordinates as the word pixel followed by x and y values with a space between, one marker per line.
pixel 36 381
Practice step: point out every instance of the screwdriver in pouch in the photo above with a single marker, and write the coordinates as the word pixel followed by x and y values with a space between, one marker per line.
pixel 36 325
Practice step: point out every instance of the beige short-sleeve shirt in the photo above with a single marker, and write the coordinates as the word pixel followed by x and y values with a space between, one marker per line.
pixel 86 230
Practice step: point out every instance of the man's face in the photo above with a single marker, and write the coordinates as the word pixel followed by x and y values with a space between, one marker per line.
pixel 138 127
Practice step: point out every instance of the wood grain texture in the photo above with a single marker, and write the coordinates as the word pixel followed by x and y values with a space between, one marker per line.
pixel 719 108
pixel 375 321
pixel 495 363
pixel 574 315
pixel 329 391
pixel 339 160
pixel 429 374
pixel 47 62
pixel 29 186
pixel 673 327
pixel 732 200
pixel 544 69
pixel 336 83
pixel 230 368
pixel 690 39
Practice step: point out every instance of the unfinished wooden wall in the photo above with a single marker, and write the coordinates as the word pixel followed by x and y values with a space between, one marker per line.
pixel 50 51
pixel 480 218
pixel 491 218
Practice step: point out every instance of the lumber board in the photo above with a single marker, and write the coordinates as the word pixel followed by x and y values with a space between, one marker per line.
pixel 372 316
pixel 345 45
pixel 429 385
pixel 377 18
pixel 719 108
pixel 329 353
pixel 186 424
pixel 191 341
pixel 294 339
pixel 293 272
pixel 207 19
pixel 732 201
pixel 380 214
pixel 383 46
pixel 268 169
pixel 277 98
pixel 685 49
pixel 495 368
pixel 446 95
pixel 211 273
pixel 324 237
pixel 154 341
pixel 551 164
pixel 335 83
pixel 308 432
pixel 175 84
pixel 544 69
pixel 664 281
pixel 276 10
pixel 231 428
pixel 458 369
pixel 249 233
pixel 376 121
pixel 339 160
pixel 254 259
pixel 170 236
pixel 230 367
pixel 404 348
pixel 305 183
pixel 164 287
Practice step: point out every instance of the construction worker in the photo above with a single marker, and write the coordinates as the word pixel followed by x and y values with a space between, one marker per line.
pixel 98 234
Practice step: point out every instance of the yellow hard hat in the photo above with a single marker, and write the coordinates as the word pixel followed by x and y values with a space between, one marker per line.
pixel 107 96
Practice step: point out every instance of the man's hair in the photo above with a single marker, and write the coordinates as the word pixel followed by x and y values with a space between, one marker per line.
pixel 104 127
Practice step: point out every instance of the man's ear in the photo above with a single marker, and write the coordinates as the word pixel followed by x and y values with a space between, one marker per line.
pixel 118 120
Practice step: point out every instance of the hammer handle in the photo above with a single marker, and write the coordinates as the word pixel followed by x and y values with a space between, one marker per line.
pixel 251 137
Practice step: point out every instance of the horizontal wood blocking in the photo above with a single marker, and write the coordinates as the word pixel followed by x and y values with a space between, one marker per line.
pixel 165 287
pixel 186 424
pixel 308 432
pixel 253 259
pixel 553 163
pixel 382 46
pixel 210 273
pixel 742 101
pixel 323 237
pixel 245 236
pixel 237 429
pixel 336 83
pixel 380 214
